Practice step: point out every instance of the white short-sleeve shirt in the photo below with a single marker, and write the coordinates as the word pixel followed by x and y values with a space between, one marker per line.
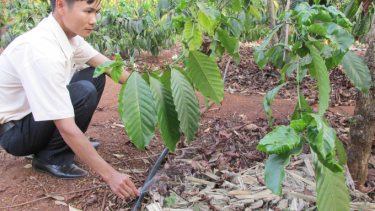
pixel 35 70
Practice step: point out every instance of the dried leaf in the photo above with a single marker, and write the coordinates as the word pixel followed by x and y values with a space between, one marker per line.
pixel 60 203
pixel 119 155
pixel 28 166
pixel 59 198
pixel 73 209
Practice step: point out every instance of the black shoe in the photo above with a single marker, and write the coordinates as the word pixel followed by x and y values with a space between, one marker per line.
pixel 69 171
pixel 95 144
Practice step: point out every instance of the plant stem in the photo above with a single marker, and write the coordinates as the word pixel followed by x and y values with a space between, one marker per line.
pixel 221 8
pixel 298 92
pixel 183 54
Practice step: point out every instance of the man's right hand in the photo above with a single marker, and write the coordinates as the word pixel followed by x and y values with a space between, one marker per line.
pixel 121 185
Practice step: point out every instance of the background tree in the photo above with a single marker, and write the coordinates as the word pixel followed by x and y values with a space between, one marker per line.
pixel 363 127
pixel 272 21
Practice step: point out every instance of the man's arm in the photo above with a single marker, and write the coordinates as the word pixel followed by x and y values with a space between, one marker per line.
pixel 81 146
pixel 100 59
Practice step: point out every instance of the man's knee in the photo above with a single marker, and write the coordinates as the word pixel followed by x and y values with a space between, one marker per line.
pixel 83 93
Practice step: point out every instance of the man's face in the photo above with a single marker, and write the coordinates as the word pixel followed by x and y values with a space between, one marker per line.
pixel 80 18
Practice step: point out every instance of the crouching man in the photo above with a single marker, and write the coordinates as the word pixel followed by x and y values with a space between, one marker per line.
pixel 45 105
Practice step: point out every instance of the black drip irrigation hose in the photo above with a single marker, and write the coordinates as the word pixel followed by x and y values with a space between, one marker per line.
pixel 160 160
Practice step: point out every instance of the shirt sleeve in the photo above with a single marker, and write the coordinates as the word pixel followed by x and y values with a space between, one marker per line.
pixel 44 82
pixel 83 52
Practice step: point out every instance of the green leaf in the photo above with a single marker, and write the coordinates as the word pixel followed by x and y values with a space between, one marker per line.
pixel 230 43
pixel 357 71
pixel 274 173
pixel 332 193
pixel 298 125
pixel 296 45
pixel 318 29
pixel 329 161
pixel 237 6
pixel 171 200
pixel 301 108
pixel 205 73
pixel 187 104
pixel 105 66
pixel 323 16
pixel 283 71
pixel 253 10
pixel 137 110
pixel 208 24
pixel 323 79
pixel 268 99
pixel 210 11
pixel 339 37
pixel 206 102
pixel 325 141
pixel 259 55
pixel 341 152
pixel 166 79
pixel 281 140
pixel 191 32
pixel 167 115
pixel 304 18
pixel 116 73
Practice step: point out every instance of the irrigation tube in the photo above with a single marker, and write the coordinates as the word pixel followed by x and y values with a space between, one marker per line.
pixel 161 158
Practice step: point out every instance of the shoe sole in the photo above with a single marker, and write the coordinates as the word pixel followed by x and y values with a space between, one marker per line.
pixel 42 172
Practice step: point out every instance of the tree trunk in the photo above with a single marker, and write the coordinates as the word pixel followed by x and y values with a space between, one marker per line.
pixel 363 129
pixel 272 21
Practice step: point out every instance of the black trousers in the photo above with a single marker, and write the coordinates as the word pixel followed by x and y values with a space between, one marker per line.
pixel 42 138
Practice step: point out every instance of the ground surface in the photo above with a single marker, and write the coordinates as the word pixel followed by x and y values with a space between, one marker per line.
pixel 233 128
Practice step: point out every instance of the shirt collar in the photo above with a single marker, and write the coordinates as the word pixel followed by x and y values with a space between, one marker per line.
pixel 61 36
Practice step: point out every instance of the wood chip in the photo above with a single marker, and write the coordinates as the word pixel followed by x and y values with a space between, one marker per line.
pixel 200 181
pixel 249 180
pixel 154 207
pixel 296 176
pixel 261 195
pixel 301 196
pixel 239 192
pixel 309 167
pixel 362 206
pixel 212 176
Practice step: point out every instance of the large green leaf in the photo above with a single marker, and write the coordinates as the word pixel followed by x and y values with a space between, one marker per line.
pixel 301 108
pixel 281 140
pixel 137 110
pixel 318 29
pixel 268 99
pixel 208 24
pixel 341 152
pixel 323 79
pixel 166 79
pixel 332 193
pixel 106 66
pixel 210 11
pixel 186 103
pixel 259 55
pixel 325 141
pixel 357 71
pixel 192 32
pixel 253 10
pixel 338 36
pixel 167 115
pixel 116 73
pixel 230 43
pixel 205 73
pixel 274 173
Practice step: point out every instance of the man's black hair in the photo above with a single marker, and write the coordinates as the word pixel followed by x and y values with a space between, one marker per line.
pixel 71 3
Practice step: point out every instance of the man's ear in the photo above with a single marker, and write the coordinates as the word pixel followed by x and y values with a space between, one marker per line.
pixel 61 7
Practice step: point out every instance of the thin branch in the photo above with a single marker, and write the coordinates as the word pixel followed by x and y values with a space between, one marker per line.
pixel 225 4
pixel 133 172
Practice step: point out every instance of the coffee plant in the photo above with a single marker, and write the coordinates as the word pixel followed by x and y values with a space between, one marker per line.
pixel 128 28
pixel 19 16
pixel 167 99
pixel 318 43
